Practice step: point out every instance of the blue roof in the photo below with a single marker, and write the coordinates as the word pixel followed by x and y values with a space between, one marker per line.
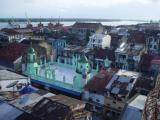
pixel 8 112
pixel 27 90
pixel 132 113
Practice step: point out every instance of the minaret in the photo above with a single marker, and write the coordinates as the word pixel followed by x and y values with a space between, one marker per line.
pixel 83 70
pixel 107 62
pixel 32 66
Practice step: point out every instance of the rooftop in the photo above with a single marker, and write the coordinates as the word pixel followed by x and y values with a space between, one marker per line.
pixel 10 31
pixel 77 49
pixel 138 102
pixel 8 112
pixel 130 48
pixel 61 73
pixel 8 75
pixel 98 36
pixel 100 80
pixel 27 101
pixel 122 82
pixel 53 110
pixel 134 108
pixel 74 104
pixel 87 25
pixel 12 51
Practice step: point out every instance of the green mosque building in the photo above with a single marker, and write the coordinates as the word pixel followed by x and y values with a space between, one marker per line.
pixel 59 76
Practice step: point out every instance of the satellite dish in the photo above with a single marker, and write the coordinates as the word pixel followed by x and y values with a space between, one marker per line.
pixel 12 84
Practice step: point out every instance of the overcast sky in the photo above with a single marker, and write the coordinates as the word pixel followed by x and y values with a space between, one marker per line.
pixel 109 9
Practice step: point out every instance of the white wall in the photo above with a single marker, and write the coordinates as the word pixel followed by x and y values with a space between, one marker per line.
pixel 106 41
pixel 4 84
pixel 99 41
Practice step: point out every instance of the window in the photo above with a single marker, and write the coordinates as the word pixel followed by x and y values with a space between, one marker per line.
pixel 98 108
pixel 119 108
pixel 81 66
pixel 119 99
pixel 108 104
pixel 114 102
pixel 150 46
pixel 155 47
pixel 97 100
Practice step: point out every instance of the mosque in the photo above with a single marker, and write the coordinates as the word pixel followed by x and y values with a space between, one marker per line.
pixel 55 75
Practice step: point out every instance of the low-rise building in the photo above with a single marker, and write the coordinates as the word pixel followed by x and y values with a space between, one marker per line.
pixel 58 45
pixel 129 55
pixel 11 34
pixel 9 80
pixel 155 66
pixel 27 101
pixel 99 41
pixel 76 106
pixel 119 90
pixel 122 31
pixel 82 29
pixel 109 90
pixel 134 108
pixel 60 107
pixel 153 42
pixel 11 56
pixel 94 91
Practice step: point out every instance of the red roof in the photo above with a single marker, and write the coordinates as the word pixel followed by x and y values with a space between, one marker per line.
pixel 12 51
pixel 137 37
pixel 10 31
pixel 147 60
pixel 103 53
pixel 87 25
pixel 99 81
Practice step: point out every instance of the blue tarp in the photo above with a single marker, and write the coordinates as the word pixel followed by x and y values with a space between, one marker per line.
pixel 27 90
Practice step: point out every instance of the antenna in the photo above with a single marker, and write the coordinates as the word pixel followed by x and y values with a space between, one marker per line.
pixel 58 19
pixel 40 19
pixel 27 18
pixel 51 19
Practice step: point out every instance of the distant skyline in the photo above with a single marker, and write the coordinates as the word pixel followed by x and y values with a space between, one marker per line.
pixel 100 9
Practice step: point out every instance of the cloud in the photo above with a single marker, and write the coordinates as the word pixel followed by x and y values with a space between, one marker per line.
pixel 137 9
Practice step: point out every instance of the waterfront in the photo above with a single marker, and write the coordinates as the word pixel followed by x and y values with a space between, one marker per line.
pixel 114 23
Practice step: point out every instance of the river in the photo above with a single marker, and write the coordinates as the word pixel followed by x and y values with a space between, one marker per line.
pixel 23 24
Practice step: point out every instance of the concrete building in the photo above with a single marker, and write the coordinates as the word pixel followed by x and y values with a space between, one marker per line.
pixel 119 90
pixel 11 34
pixel 94 91
pixel 82 29
pixel 129 55
pixel 8 77
pixel 109 90
pixel 11 56
pixel 134 108
pixel 153 43
pixel 99 41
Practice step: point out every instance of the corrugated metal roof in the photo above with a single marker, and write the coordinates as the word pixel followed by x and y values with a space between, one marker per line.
pixel 8 112
pixel 47 109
